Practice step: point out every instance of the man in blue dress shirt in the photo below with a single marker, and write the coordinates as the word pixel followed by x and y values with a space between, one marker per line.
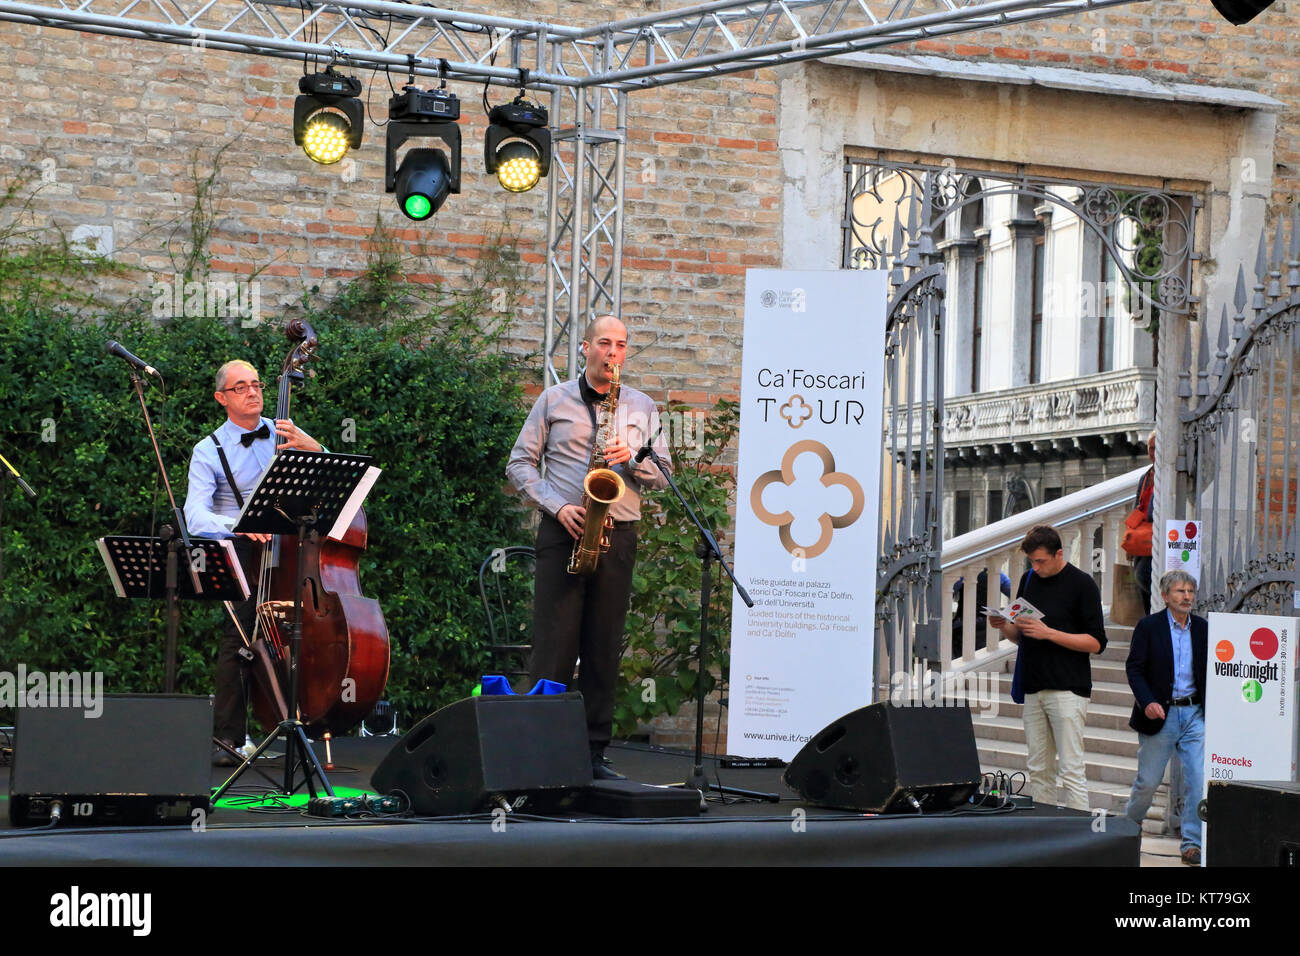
pixel 224 470
pixel 1166 669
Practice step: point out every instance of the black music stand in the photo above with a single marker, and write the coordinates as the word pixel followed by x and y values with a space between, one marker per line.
pixel 149 568
pixel 301 493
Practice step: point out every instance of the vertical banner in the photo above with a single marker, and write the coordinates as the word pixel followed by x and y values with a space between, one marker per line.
pixel 1250 724
pixel 1250 688
pixel 1182 548
pixel 807 501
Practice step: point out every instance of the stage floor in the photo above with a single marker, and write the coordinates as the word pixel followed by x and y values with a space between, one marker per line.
pixel 735 832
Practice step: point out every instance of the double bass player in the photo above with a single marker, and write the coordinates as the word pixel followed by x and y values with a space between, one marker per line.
pixel 224 469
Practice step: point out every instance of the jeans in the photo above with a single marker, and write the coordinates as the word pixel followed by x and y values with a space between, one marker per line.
pixel 1184 732
pixel 1054 721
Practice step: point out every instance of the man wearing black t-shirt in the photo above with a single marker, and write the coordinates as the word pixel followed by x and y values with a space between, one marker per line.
pixel 1055 673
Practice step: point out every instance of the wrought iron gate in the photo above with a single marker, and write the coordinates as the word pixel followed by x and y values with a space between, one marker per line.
pixel 1148 232
pixel 1239 450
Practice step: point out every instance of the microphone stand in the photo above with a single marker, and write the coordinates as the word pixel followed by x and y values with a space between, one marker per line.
pixel 175 544
pixel 12 472
pixel 707 549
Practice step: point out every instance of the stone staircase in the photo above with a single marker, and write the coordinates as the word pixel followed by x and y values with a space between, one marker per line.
pixel 1110 744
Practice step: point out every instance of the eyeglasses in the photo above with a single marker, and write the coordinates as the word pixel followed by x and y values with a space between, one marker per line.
pixel 243 387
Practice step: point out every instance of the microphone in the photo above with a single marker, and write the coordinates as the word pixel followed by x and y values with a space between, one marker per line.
pixel 115 348
pixel 644 451
pixel 17 477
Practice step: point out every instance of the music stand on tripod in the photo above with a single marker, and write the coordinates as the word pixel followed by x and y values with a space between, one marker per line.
pixel 147 568
pixel 301 493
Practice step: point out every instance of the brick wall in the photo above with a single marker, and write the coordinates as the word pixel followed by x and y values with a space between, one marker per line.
pixel 128 123
pixel 678 730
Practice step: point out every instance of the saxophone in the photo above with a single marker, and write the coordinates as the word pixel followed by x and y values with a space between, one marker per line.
pixel 601 488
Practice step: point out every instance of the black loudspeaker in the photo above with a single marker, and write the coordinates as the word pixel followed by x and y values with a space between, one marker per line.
pixel 144 759
pixel 1252 823
pixel 530 751
pixel 888 759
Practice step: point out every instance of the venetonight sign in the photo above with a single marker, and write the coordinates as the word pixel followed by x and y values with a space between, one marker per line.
pixel 1250 728
pixel 1250 687
pixel 1263 673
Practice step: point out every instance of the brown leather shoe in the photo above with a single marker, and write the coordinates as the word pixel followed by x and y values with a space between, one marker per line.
pixel 1192 856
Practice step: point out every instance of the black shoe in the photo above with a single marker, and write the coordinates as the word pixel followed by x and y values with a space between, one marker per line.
pixel 223 758
pixel 603 769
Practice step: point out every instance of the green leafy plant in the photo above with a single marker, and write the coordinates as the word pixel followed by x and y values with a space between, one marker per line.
pixel 409 373
pixel 663 625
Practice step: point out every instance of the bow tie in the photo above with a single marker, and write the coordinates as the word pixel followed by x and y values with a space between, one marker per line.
pixel 249 437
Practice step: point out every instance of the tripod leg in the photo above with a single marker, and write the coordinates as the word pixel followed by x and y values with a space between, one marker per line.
pixel 310 763
pixel 248 762
pixel 238 755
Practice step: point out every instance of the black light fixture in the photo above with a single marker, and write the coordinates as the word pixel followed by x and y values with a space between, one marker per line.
pixel 517 145
pixel 1238 12
pixel 427 175
pixel 328 119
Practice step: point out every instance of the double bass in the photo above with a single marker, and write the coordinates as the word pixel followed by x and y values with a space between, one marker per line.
pixel 344 655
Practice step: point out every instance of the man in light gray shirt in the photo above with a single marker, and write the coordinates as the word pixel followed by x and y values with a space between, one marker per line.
pixel 582 616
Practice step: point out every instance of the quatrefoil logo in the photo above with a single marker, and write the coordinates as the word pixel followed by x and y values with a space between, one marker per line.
pixel 826 522
pixel 796 411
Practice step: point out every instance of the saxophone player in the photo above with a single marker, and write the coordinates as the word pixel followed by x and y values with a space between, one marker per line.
pixel 581 616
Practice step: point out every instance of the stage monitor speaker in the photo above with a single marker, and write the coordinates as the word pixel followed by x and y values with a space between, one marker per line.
pixel 887 759
pixel 1252 823
pixel 144 759
pixel 529 751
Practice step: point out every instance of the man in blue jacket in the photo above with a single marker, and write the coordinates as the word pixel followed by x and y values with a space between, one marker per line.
pixel 1166 669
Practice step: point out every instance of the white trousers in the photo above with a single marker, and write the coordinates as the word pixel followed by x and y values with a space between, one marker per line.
pixel 1054 721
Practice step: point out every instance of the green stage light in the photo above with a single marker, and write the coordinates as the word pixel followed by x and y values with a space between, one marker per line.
pixel 426 177
pixel 423 182
pixel 417 207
